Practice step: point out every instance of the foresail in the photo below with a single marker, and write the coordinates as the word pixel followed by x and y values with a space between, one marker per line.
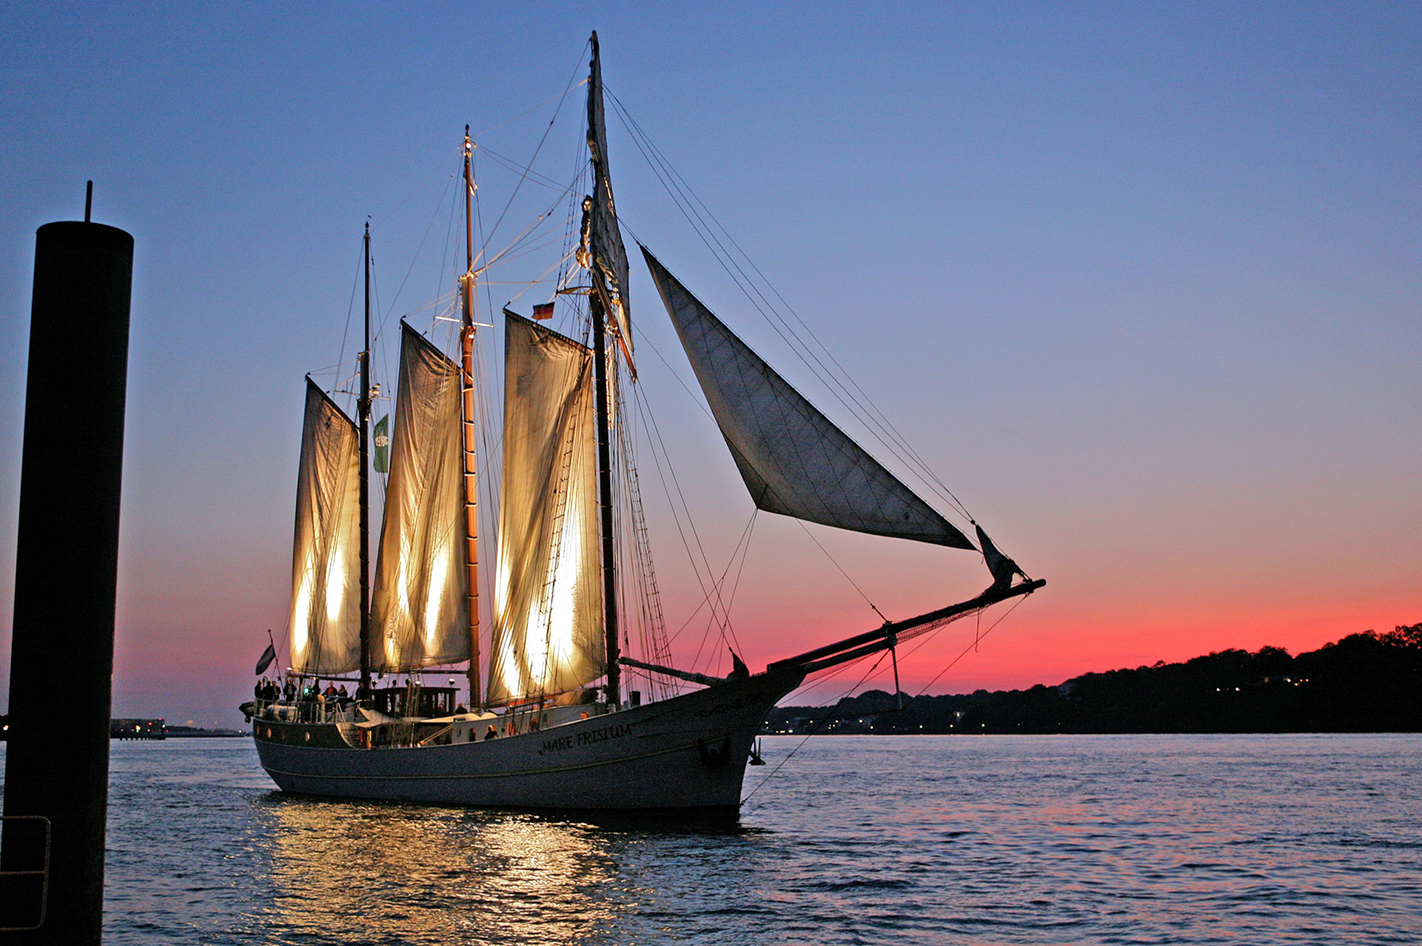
pixel 793 459
pixel 419 608
pixel 548 635
pixel 325 566
pixel 609 256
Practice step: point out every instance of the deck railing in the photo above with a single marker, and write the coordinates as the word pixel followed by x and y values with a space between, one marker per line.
pixel 306 711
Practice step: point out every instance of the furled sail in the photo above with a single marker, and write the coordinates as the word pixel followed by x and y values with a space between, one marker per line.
pixel 548 632
pixel 609 256
pixel 325 565
pixel 420 607
pixel 794 460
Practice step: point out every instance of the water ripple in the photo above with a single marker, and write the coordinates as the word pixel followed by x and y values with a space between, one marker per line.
pixel 915 840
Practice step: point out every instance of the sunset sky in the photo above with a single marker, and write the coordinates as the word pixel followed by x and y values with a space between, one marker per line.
pixel 1142 283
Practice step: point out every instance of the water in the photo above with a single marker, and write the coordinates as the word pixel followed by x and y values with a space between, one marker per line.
pixel 1065 839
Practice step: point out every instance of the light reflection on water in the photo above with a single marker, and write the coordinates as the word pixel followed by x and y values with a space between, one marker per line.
pixel 383 873
pixel 1141 839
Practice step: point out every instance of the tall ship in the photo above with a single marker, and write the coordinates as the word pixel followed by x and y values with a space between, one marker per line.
pixel 557 712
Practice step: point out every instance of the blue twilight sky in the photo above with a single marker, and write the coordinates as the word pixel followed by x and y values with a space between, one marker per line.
pixel 1140 281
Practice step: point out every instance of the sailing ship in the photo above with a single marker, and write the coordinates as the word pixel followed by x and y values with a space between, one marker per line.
pixel 550 722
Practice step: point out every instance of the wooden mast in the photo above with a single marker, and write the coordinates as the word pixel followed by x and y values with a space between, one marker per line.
pixel 600 381
pixel 363 410
pixel 468 431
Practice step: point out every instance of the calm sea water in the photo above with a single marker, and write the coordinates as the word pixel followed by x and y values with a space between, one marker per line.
pixel 1066 839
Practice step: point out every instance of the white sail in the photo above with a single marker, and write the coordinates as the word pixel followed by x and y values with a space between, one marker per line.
pixel 420 604
pixel 794 460
pixel 548 631
pixel 325 566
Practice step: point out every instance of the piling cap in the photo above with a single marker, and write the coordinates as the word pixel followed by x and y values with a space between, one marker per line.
pixel 81 232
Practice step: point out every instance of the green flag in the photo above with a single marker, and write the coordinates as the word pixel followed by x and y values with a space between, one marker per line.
pixel 382 445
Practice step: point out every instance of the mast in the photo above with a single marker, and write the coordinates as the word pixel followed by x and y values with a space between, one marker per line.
pixel 363 409
pixel 467 429
pixel 604 487
pixel 596 300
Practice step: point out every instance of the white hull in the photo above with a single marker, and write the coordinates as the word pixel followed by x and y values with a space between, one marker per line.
pixel 686 752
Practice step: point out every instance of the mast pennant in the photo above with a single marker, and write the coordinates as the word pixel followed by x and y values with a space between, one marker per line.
pixel 325 565
pixel 794 460
pixel 382 445
pixel 609 256
pixel 419 612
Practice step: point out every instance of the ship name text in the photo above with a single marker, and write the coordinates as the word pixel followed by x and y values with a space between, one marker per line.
pixel 586 737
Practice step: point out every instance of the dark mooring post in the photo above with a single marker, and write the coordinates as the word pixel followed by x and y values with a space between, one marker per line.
pixel 57 762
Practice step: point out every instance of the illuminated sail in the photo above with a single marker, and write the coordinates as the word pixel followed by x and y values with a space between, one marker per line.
pixel 419 614
pixel 325 566
pixel 794 460
pixel 548 632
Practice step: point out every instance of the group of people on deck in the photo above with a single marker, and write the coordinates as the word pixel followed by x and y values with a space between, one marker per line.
pixel 309 693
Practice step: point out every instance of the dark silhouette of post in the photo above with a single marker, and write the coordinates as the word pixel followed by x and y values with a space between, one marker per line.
pixel 62 653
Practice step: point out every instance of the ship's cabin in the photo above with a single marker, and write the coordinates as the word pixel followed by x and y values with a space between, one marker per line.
pixel 423 702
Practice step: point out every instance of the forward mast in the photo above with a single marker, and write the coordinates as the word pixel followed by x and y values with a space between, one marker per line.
pixel 467 427
pixel 363 411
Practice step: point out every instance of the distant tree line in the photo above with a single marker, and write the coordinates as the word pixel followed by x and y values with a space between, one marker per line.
pixel 1366 682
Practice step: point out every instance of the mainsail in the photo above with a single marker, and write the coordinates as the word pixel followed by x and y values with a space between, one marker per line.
pixel 793 459
pixel 419 613
pixel 548 591
pixel 609 256
pixel 325 565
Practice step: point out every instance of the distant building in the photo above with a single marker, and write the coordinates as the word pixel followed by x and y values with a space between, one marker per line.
pixel 137 729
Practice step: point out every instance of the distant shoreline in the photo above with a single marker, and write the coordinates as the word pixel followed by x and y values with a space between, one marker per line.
pixel 1364 683
pixel 210 734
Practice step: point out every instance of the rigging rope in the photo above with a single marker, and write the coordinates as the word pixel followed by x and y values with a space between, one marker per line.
pixel 350 307
pixel 723 626
pixel 806 530
pixel 651 623
pixel 813 731
pixel 833 718
pixel 839 384
pixel 678 507
pixel 511 164
pixel 530 110
pixel 571 82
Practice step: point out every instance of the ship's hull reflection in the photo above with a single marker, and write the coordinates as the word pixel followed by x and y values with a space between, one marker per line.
pixel 372 872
